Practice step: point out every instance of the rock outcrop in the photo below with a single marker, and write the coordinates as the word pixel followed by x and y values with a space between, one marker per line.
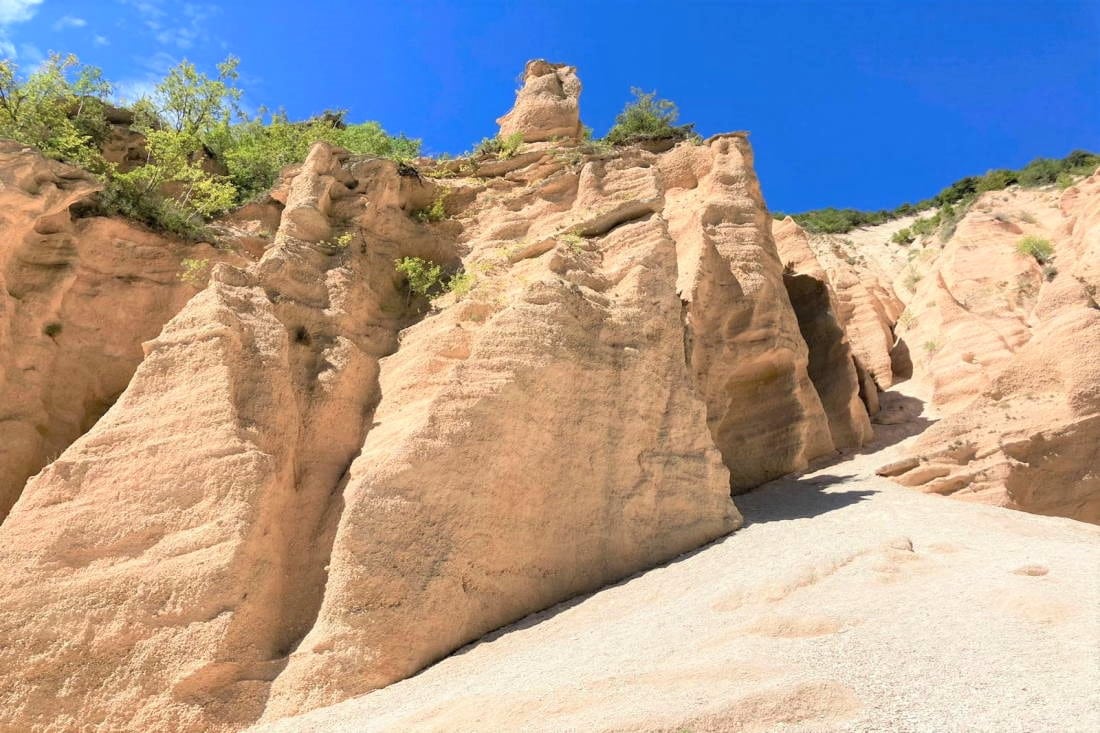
pixel 847 392
pixel 308 481
pixel 1001 344
pixel 314 485
pixel 547 105
pixel 78 296
pixel 837 608
pixel 1030 438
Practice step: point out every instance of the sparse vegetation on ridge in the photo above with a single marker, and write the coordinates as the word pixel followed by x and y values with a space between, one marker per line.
pixel 502 147
pixel 1039 172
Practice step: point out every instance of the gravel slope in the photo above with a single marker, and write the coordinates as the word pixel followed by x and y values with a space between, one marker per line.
pixel 847 603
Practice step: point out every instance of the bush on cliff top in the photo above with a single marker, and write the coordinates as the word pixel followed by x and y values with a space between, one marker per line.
pixel 648 118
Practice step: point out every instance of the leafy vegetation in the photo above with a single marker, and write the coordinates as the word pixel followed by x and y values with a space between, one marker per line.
pixel 1039 172
pixel 648 118
pixel 254 151
pixel 426 279
pixel 1037 247
pixel 435 211
pixel 59 108
pixel 339 242
pixel 502 147
pixel 461 284
pixel 204 155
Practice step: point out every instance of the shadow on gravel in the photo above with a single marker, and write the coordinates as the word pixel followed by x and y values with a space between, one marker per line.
pixel 796 498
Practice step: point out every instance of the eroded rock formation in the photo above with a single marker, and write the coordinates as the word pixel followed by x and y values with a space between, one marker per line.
pixel 317 482
pixel 78 296
pixel 846 391
pixel 1030 437
pixel 311 488
pixel 547 105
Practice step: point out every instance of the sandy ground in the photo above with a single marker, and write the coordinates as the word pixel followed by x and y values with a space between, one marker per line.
pixel 847 603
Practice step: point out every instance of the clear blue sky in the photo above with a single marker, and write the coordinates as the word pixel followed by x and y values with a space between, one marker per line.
pixel 864 104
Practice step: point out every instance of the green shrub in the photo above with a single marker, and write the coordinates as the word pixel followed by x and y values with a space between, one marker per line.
pixel 1036 247
pixel 254 152
pixel 1040 172
pixel 500 147
pixel 837 221
pixel 997 180
pixel 58 108
pixel 903 236
pixel 425 278
pixel 435 211
pixel 924 226
pixel 339 242
pixel 647 118
pixel 51 329
pixel 461 284
pixel 1064 180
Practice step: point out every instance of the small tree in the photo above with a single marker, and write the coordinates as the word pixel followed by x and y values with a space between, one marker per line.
pixel 58 108
pixel 647 118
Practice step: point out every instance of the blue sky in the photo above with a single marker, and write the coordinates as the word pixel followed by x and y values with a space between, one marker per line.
pixel 864 104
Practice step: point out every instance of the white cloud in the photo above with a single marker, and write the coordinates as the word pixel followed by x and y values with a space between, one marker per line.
pixel 14 11
pixel 69 21
pixel 101 41
pixel 180 25
pixel 131 90
pixel 17 11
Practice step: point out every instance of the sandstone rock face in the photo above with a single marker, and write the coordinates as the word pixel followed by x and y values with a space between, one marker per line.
pixel 291 503
pixel 972 307
pixel 314 485
pixel 78 296
pixel 999 343
pixel 547 106
pixel 1031 438
pixel 834 370
pixel 865 301
pixel 744 341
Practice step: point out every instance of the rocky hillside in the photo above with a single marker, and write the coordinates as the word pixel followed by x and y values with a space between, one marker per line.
pixel 299 474
pixel 998 332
